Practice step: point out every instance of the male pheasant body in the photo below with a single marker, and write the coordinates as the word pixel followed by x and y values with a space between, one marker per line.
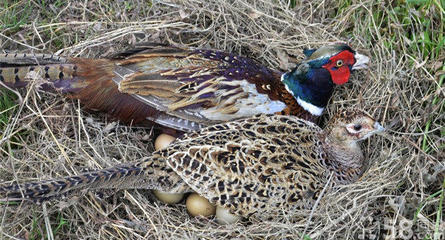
pixel 187 89
pixel 256 166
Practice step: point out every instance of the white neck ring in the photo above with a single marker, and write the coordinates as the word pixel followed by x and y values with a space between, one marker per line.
pixel 314 110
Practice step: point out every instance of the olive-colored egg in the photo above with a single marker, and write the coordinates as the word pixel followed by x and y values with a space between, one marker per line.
pixel 169 198
pixel 163 141
pixel 223 216
pixel 199 206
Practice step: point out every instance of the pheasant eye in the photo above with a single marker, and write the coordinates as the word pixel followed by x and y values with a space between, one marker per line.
pixel 357 127
pixel 339 63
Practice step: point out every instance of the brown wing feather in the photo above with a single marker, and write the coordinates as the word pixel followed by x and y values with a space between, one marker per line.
pixel 166 76
pixel 181 64
pixel 102 94
pixel 183 83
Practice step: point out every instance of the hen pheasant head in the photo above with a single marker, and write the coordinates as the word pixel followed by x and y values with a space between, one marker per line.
pixel 312 81
pixel 352 125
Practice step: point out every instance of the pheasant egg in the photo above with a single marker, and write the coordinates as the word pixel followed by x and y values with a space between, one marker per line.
pixel 223 216
pixel 163 141
pixel 199 206
pixel 169 198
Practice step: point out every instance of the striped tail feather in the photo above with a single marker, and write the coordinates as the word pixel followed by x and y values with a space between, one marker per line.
pixel 19 59
pixel 89 80
pixel 124 176
pixel 15 67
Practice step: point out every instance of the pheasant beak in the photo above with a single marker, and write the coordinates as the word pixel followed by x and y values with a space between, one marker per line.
pixel 361 61
pixel 378 127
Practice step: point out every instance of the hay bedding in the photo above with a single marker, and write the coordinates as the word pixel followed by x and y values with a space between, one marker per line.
pixel 50 136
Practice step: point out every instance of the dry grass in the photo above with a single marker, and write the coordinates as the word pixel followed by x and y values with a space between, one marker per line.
pixel 50 136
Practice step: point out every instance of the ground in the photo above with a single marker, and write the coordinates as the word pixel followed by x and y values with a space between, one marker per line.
pixel 399 197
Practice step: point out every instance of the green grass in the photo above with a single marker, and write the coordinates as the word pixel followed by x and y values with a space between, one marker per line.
pixel 419 21
pixel 35 232
pixel 8 106
pixel 439 214
pixel 425 142
pixel 61 223
pixel 306 237
pixel 13 16
pixel 37 226
pixel 429 39
pixel 440 194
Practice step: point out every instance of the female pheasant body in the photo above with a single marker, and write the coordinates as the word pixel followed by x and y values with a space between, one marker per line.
pixel 256 166
pixel 180 88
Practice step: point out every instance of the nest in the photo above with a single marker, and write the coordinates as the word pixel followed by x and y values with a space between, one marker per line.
pixel 48 135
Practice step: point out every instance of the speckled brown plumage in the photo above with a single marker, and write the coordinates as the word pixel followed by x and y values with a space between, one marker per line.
pixel 185 89
pixel 253 166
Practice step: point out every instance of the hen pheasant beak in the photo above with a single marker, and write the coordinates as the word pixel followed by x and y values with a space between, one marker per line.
pixel 378 127
pixel 361 61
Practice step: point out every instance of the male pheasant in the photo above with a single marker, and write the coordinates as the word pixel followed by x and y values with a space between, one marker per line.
pixel 187 89
pixel 254 166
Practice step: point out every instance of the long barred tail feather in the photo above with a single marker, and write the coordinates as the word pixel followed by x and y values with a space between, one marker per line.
pixel 21 59
pixel 124 176
pixel 15 67
pixel 89 80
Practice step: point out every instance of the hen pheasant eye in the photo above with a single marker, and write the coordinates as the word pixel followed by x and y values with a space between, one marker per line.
pixel 339 63
pixel 357 127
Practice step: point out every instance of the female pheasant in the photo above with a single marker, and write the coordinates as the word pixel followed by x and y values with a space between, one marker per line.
pixel 187 89
pixel 255 166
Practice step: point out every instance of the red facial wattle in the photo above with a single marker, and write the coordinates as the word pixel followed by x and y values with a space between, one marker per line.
pixel 340 75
